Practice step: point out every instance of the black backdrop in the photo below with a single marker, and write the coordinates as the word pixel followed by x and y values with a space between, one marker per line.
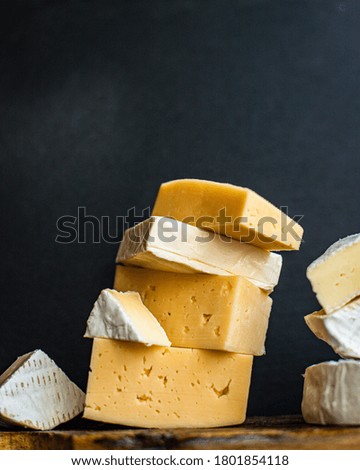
pixel 102 101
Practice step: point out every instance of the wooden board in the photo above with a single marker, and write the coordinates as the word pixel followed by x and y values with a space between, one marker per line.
pixel 282 432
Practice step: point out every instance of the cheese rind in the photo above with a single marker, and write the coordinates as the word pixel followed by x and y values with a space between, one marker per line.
pixel 157 387
pixel 340 329
pixel 123 316
pixel 202 311
pixel 169 245
pixel 231 210
pixel 335 275
pixel 35 393
pixel 331 393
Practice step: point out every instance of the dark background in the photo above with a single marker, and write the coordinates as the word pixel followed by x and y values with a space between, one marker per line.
pixel 102 101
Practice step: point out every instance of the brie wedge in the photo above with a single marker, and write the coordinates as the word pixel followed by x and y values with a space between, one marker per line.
pixel 332 393
pixel 123 316
pixel 35 393
pixel 335 275
pixel 340 329
pixel 166 244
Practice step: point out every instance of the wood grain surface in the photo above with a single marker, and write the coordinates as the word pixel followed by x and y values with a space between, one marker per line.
pixel 281 432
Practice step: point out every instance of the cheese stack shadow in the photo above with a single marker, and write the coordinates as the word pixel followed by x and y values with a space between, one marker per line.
pixel 332 389
pixel 174 340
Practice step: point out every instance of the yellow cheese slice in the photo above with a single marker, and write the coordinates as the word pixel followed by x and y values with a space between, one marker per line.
pixel 155 387
pixel 230 210
pixel 226 313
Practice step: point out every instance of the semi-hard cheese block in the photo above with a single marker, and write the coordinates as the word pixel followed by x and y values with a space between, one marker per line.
pixel 230 210
pixel 169 245
pixel 122 315
pixel 35 392
pixel 340 329
pixel 335 276
pixel 227 313
pixel 331 393
pixel 157 387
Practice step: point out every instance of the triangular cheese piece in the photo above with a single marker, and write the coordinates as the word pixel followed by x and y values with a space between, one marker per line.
pixel 340 329
pixel 335 275
pixel 35 392
pixel 123 316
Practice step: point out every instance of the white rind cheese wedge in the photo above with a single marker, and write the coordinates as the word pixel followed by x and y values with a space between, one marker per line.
pixel 123 316
pixel 332 393
pixel 340 329
pixel 35 392
pixel 166 244
pixel 335 276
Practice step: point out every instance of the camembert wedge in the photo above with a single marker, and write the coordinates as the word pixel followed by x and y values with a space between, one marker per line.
pixel 340 329
pixel 331 393
pixel 35 393
pixel 169 245
pixel 123 316
pixel 335 275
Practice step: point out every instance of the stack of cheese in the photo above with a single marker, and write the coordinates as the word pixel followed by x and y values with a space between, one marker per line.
pixel 332 389
pixel 196 275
